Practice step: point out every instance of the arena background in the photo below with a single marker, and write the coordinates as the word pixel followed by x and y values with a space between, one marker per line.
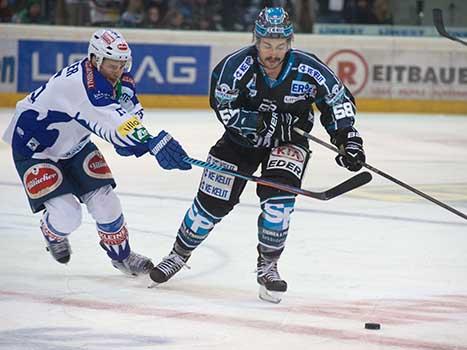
pixel 402 67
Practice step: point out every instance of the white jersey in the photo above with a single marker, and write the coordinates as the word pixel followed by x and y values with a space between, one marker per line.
pixel 56 120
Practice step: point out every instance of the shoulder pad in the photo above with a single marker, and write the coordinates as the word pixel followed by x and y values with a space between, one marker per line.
pixel 128 80
pixel 309 64
pixel 99 90
pixel 235 65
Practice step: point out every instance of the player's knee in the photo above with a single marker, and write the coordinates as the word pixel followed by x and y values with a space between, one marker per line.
pixel 214 206
pixel 63 214
pixel 273 222
pixel 217 192
pixel 196 225
pixel 103 204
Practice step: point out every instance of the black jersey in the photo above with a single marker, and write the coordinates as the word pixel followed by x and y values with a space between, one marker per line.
pixel 241 90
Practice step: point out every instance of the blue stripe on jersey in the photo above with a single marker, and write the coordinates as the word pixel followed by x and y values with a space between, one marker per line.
pixel 227 60
pixel 99 90
pixel 317 62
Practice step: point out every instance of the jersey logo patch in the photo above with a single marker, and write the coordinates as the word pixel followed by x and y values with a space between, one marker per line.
pixel 90 81
pixel 243 68
pixel 314 73
pixel 224 94
pixel 301 87
pixel 336 96
pixel 293 99
pixel 42 179
pixel 215 184
pixel 128 126
pixel 95 166
pixel 288 158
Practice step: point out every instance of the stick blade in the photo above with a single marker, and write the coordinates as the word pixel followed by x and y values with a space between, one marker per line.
pixel 354 182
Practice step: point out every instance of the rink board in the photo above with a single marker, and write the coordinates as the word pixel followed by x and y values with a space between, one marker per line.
pixel 172 68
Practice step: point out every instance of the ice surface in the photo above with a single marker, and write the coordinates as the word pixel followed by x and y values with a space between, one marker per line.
pixel 379 254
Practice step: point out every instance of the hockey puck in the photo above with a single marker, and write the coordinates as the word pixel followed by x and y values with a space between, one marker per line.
pixel 372 326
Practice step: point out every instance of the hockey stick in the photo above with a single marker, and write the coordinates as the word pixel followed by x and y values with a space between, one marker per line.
pixel 346 186
pixel 383 174
pixel 439 24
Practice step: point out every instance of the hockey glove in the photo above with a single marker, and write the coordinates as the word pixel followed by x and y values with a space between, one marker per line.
pixel 351 143
pixel 168 152
pixel 137 150
pixel 274 128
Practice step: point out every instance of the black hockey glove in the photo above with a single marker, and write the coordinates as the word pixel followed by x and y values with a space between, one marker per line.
pixel 274 128
pixel 349 141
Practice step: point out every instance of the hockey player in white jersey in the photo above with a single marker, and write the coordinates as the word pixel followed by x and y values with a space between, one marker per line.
pixel 59 164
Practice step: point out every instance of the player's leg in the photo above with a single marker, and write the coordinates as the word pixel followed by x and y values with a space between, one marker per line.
pixel 61 217
pixel 104 206
pixel 49 189
pixel 286 164
pixel 217 195
pixel 94 185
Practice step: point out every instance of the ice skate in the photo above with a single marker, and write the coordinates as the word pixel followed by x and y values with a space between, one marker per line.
pixel 168 267
pixel 134 265
pixel 59 247
pixel 272 287
pixel 60 250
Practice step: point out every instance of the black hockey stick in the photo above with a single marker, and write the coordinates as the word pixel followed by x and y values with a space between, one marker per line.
pixel 383 174
pixel 439 24
pixel 346 186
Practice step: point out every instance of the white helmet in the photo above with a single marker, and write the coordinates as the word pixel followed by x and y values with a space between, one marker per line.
pixel 109 43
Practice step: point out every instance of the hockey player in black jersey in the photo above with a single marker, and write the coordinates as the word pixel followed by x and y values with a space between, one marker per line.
pixel 260 93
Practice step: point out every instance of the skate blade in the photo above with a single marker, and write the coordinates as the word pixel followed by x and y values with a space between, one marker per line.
pixel 270 296
pixel 153 285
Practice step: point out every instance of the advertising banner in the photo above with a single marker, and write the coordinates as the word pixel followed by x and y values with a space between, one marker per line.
pixel 401 74
pixel 157 69
pixel 384 73
pixel 8 65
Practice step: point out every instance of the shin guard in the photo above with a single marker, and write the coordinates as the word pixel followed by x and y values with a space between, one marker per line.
pixel 114 239
pixel 273 225
pixel 195 227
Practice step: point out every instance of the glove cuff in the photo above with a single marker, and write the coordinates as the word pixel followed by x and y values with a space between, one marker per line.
pixel 154 149
pixel 341 136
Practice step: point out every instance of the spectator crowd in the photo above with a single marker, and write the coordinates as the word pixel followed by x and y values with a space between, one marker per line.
pixel 214 15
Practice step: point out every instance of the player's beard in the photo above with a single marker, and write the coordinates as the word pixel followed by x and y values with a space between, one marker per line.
pixel 271 62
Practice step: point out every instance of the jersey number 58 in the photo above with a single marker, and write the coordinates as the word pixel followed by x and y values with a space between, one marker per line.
pixel 343 110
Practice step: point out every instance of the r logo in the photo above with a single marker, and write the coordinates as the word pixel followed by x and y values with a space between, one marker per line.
pixel 351 67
